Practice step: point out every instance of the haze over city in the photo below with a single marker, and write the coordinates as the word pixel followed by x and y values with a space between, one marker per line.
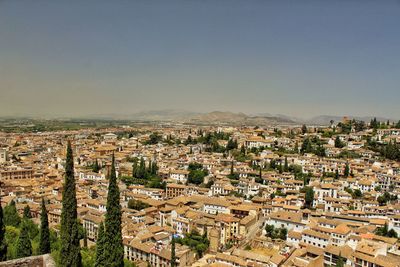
pixel 299 58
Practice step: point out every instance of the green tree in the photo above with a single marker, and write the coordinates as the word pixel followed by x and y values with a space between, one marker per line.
pixel 306 146
pixel 135 168
pixel 304 129
pixel 195 241
pixel 44 243
pixel 357 193
pixel 340 262
pixel 347 170
pixel 96 166
pixel 320 151
pixel 392 233
pixel 27 212
pixel 197 176
pixel 338 142
pixel 114 252
pixel 100 247
pixel 70 254
pixel 11 216
pixel 154 168
pixel 141 173
pixel 173 257
pixel 309 198
pixel 154 138
pixel 232 144
pixel 286 166
pixel 24 245
pixel 382 231
pixel 283 233
pixel 269 228
pixel 374 124
pixel 85 241
pixel 296 147
pixel 137 204
pixel 3 244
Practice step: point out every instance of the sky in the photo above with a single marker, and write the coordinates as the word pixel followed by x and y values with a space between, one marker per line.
pixel 299 58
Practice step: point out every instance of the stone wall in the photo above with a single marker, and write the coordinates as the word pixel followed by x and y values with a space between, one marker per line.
pixel 34 261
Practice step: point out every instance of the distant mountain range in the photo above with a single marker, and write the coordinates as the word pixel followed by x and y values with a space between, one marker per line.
pixel 227 117
pixel 220 117
pixel 224 118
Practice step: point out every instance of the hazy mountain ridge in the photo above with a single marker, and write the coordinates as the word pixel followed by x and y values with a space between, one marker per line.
pixel 217 117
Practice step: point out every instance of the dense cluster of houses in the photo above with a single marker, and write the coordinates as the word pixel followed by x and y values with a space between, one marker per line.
pixel 237 200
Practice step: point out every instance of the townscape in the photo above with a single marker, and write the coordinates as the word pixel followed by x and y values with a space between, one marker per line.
pixel 205 195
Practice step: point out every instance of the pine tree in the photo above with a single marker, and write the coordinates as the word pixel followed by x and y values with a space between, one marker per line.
pixel 114 252
pixel 27 212
pixel 70 249
pixel 3 245
pixel 173 256
pixel 44 243
pixel 100 246
pixel 24 245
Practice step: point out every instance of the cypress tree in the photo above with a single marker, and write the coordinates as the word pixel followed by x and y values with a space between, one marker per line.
pixel 134 168
pixel 309 197
pixel 142 169
pixel 280 168
pixel 27 212
pixel 286 168
pixel 24 246
pixel 114 252
pixel 3 245
pixel 346 170
pixel 173 256
pixel 85 241
pixel 100 244
pixel 44 243
pixel 155 168
pixel 304 129
pixel 11 216
pixel 70 249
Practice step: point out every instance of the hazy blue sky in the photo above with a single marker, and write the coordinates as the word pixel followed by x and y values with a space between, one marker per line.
pixel 301 58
